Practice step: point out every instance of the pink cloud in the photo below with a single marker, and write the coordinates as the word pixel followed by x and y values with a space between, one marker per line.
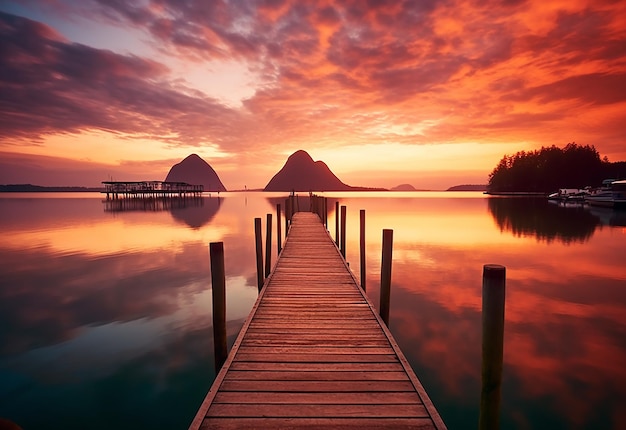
pixel 495 71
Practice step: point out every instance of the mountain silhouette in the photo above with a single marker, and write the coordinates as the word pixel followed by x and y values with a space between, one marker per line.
pixel 404 187
pixel 301 173
pixel 194 170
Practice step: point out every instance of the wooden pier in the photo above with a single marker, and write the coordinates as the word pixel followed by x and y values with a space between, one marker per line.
pixel 150 189
pixel 313 353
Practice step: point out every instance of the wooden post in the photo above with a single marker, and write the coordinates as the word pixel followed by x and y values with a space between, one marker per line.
pixel 259 252
pixel 326 212
pixel 268 245
pixel 218 285
pixel 342 242
pixel 362 247
pixel 494 286
pixel 278 227
pixel 385 275
pixel 287 209
pixel 318 207
pixel 337 222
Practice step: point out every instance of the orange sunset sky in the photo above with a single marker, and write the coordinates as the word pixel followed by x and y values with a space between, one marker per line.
pixel 429 92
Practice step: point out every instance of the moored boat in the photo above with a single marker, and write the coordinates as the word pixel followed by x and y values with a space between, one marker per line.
pixel 569 195
pixel 612 194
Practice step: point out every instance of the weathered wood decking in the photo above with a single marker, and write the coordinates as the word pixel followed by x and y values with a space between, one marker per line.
pixel 314 353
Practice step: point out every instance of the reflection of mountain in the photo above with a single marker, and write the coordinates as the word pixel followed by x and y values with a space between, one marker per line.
pixel 193 211
pixel 301 201
pixel 199 215
pixel 540 218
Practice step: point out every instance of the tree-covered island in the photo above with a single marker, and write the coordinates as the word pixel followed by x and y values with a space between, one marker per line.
pixel 550 168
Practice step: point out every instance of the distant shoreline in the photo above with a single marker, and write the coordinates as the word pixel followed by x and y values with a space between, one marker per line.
pixel 29 188
pixel 516 193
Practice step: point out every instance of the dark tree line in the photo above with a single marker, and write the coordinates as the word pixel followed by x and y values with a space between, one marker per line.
pixel 550 168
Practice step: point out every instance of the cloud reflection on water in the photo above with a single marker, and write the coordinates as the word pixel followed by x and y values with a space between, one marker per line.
pixel 565 316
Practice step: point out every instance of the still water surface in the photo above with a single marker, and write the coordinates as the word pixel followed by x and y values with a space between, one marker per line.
pixel 105 310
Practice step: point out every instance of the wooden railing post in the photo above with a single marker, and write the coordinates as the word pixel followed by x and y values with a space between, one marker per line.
pixel 287 209
pixel 259 252
pixel 494 288
pixel 218 286
pixel 385 275
pixel 362 247
pixel 342 242
pixel 337 222
pixel 278 232
pixel 326 212
pixel 268 245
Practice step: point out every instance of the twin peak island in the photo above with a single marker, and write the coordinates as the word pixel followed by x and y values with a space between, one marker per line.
pixel 300 173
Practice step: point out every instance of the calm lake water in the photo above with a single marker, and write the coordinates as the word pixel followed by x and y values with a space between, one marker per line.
pixel 105 310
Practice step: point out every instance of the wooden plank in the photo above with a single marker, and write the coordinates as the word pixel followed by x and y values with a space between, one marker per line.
pixel 315 375
pixel 308 366
pixel 318 350
pixel 317 410
pixel 316 423
pixel 322 358
pixel 317 386
pixel 326 398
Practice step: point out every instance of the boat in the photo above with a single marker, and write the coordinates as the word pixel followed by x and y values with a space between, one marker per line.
pixel 612 194
pixel 569 195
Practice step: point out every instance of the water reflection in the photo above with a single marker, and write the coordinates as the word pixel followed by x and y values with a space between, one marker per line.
pixel 558 331
pixel 544 220
pixel 105 317
pixel 192 211
pixel 565 316
pixel 302 202
pixel 99 313
pixel 608 216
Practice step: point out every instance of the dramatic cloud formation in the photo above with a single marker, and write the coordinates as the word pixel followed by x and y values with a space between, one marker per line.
pixel 252 81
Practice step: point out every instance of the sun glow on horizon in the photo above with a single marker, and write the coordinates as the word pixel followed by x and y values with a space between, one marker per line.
pixel 396 90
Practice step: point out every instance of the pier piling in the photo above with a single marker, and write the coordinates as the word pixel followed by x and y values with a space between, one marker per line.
pixel 337 222
pixel 259 252
pixel 494 288
pixel 362 247
pixel 218 287
pixel 268 245
pixel 342 241
pixel 278 232
pixel 385 275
